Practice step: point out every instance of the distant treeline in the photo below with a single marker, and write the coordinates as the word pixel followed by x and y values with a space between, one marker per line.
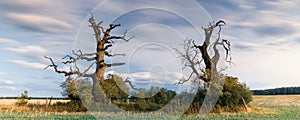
pixel 278 91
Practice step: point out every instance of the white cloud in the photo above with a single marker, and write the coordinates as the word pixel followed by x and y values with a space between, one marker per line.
pixel 40 22
pixel 7 82
pixel 28 50
pixel 246 45
pixel 9 88
pixel 244 4
pixel 7 41
pixel 140 77
pixel 2 73
pixel 283 3
pixel 27 64
pixel 29 3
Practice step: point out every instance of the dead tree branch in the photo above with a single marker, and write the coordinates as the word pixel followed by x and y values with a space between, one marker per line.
pixel 104 41
pixel 206 67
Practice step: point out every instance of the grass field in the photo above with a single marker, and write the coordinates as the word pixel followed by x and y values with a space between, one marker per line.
pixel 262 108
pixel 35 101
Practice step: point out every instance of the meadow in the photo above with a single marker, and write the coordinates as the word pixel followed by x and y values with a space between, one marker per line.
pixel 262 108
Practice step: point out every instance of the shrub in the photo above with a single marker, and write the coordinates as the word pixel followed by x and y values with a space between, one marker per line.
pixel 23 99
pixel 233 98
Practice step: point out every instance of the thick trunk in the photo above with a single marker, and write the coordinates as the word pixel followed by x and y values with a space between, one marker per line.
pixel 100 70
pixel 207 61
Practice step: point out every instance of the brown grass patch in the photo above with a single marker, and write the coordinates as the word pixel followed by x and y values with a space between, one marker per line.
pixel 278 100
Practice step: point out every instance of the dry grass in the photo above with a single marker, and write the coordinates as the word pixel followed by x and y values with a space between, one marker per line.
pixel 258 105
pixel 278 100
pixel 35 101
pixel 9 105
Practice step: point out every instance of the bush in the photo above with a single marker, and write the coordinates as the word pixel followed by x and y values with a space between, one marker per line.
pixel 23 99
pixel 233 98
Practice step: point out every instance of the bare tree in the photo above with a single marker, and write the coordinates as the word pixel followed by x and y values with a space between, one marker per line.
pixel 204 69
pixel 104 41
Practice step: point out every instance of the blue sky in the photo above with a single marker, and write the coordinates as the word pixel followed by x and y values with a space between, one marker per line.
pixel 265 39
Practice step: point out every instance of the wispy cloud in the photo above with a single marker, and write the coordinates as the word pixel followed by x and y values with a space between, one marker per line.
pixel 7 82
pixel 2 73
pixel 243 4
pixel 25 50
pixel 283 3
pixel 7 41
pixel 151 77
pixel 274 30
pixel 9 88
pixel 38 23
pixel 28 64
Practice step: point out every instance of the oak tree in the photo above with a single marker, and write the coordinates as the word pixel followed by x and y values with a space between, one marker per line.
pixel 104 41
pixel 204 68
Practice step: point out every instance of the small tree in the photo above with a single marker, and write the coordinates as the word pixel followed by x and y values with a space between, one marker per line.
pixel 23 99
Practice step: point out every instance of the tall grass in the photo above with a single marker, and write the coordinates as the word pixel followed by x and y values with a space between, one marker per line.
pixel 265 111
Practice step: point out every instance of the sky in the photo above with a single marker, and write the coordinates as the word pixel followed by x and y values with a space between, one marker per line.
pixel 265 38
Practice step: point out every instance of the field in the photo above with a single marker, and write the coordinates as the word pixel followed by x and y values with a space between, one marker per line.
pixel 263 107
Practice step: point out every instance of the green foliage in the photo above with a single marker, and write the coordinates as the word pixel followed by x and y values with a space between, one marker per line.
pixel 233 98
pixel 69 89
pixel 278 91
pixel 115 88
pixel 234 95
pixel 72 106
pixel 23 99
pixel 156 99
pixel 72 92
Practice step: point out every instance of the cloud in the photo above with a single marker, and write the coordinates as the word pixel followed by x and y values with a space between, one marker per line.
pixel 28 64
pixel 297 40
pixel 146 80
pixel 243 4
pixel 7 82
pixel 28 3
pixel 274 30
pixel 25 50
pixel 151 77
pixel 7 41
pixel 39 23
pixel 283 3
pixel 2 73
pixel 9 88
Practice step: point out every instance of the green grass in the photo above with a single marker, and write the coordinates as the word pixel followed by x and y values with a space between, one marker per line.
pixel 265 108
pixel 44 116
pixel 272 113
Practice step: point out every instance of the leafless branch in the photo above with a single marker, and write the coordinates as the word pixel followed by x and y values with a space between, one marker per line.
pixel 113 55
pixel 183 80
pixel 121 37
pixel 55 67
pixel 114 64
pixel 130 83
pixel 82 56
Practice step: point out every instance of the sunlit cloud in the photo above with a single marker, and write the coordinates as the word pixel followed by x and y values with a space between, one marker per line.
pixel 39 23
pixel 27 64
pixel 283 3
pixel 9 88
pixel 28 50
pixel 7 82
pixel 7 41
